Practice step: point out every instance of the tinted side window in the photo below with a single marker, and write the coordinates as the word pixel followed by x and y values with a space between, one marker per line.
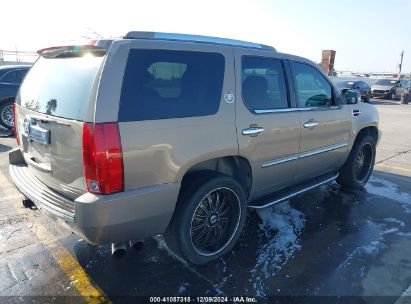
pixel 263 83
pixel 15 76
pixel 312 89
pixel 161 84
pixel 10 77
pixel 20 75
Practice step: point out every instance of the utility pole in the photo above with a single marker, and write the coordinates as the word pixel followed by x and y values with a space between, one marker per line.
pixel 17 56
pixel 400 65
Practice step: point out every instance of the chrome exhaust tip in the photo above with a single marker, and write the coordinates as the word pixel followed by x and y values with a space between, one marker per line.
pixel 118 250
pixel 137 245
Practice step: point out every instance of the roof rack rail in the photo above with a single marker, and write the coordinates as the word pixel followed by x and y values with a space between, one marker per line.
pixel 195 38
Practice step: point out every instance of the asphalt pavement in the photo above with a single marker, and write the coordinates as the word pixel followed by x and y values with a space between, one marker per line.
pixel 343 245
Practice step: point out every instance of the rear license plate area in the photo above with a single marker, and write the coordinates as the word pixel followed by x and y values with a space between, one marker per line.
pixel 40 153
pixel 39 134
pixel 39 139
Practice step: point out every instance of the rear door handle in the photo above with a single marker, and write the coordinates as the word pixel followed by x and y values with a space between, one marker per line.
pixel 253 131
pixel 310 124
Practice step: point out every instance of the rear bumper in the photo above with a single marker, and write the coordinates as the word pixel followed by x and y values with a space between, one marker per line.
pixel 99 219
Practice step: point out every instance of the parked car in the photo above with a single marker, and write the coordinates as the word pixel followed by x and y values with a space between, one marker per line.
pixel 390 88
pixel 178 135
pixel 361 86
pixel 10 80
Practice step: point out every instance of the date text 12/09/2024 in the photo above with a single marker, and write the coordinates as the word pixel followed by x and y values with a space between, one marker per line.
pixel 217 299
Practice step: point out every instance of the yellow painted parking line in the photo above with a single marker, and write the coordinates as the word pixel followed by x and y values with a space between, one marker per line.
pixel 67 262
pixel 393 168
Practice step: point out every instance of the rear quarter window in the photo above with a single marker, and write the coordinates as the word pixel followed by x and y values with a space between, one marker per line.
pixel 162 84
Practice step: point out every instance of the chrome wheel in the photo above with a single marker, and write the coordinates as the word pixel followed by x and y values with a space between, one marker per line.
pixel 7 115
pixel 363 162
pixel 215 221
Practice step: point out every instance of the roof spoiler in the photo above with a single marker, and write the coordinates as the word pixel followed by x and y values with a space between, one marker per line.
pixel 96 47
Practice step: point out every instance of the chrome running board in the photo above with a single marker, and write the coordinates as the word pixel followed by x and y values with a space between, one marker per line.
pixel 293 192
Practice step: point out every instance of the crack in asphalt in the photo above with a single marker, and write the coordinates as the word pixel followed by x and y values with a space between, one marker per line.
pixel 14 220
pixel 11 234
pixel 391 157
pixel 17 248
pixel 163 245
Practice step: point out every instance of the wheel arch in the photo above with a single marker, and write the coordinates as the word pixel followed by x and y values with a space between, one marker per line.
pixel 6 99
pixel 237 167
pixel 5 103
pixel 371 130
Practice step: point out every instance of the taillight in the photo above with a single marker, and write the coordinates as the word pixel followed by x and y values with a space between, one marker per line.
pixel 102 158
pixel 15 130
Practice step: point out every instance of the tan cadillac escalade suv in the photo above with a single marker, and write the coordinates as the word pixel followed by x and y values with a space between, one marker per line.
pixel 178 135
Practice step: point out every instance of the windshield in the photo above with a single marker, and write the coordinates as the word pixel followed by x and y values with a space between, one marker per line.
pixel 386 82
pixel 60 86
pixel 344 84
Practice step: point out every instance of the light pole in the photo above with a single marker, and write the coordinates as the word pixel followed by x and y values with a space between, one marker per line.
pixel 400 65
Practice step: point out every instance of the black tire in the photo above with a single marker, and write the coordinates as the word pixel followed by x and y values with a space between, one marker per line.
pixel 190 220
pixel 352 173
pixel 5 114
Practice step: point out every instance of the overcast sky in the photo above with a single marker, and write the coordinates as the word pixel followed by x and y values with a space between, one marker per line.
pixel 368 35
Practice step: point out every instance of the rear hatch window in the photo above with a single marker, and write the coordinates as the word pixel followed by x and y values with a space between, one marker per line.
pixel 60 86
pixel 58 89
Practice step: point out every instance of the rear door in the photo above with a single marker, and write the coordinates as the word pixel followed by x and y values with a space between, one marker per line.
pixel 267 123
pixel 53 103
pixel 325 124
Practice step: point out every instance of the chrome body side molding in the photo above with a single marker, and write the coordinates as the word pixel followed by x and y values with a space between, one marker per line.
pixel 303 155
pixel 322 150
pixel 279 161
pixel 285 110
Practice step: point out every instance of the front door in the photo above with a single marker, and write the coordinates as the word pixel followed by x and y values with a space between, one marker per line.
pixel 268 126
pixel 325 124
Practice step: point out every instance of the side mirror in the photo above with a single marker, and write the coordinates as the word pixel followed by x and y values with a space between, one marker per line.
pixel 350 96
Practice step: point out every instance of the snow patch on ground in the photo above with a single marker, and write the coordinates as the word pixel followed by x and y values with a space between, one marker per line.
pixel 389 190
pixel 224 275
pixel 183 287
pixel 393 220
pixel 372 248
pixel 369 247
pixel 404 234
pixel 374 245
pixel 281 227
